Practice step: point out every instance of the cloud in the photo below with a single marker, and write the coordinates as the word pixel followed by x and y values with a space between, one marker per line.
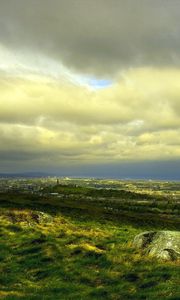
pixel 59 123
pixel 88 82
pixel 146 94
pixel 97 37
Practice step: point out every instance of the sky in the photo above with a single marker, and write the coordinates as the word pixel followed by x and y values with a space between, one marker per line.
pixel 90 87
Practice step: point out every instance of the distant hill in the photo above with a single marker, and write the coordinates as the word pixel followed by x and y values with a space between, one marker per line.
pixel 25 174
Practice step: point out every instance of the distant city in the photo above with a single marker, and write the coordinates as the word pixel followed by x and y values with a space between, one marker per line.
pixel 37 185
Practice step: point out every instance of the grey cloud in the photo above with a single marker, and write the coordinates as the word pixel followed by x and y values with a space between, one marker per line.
pixel 95 36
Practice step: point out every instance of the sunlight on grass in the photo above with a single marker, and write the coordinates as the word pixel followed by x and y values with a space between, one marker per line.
pixel 64 257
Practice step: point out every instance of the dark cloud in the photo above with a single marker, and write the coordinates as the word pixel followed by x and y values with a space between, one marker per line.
pixel 164 170
pixel 98 36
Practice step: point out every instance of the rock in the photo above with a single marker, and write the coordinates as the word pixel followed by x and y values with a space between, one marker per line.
pixel 42 217
pixel 164 245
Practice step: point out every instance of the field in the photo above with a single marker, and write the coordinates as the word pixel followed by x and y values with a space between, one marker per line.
pixel 75 242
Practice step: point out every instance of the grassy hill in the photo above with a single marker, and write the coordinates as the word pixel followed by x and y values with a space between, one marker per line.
pixel 73 248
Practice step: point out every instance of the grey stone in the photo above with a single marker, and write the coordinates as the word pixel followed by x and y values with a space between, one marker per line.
pixel 44 217
pixel 163 245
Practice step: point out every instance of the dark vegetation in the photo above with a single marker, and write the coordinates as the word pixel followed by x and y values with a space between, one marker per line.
pixel 77 244
pixel 138 209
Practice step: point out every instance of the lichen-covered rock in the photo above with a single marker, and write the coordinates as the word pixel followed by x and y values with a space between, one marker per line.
pixel 161 244
pixel 42 217
pixel 27 217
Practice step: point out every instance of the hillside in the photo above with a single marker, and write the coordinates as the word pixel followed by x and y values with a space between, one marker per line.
pixel 68 248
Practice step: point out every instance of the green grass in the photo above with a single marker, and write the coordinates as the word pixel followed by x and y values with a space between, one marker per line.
pixel 68 253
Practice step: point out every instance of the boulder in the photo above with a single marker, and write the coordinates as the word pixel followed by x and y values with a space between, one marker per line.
pixel 163 245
